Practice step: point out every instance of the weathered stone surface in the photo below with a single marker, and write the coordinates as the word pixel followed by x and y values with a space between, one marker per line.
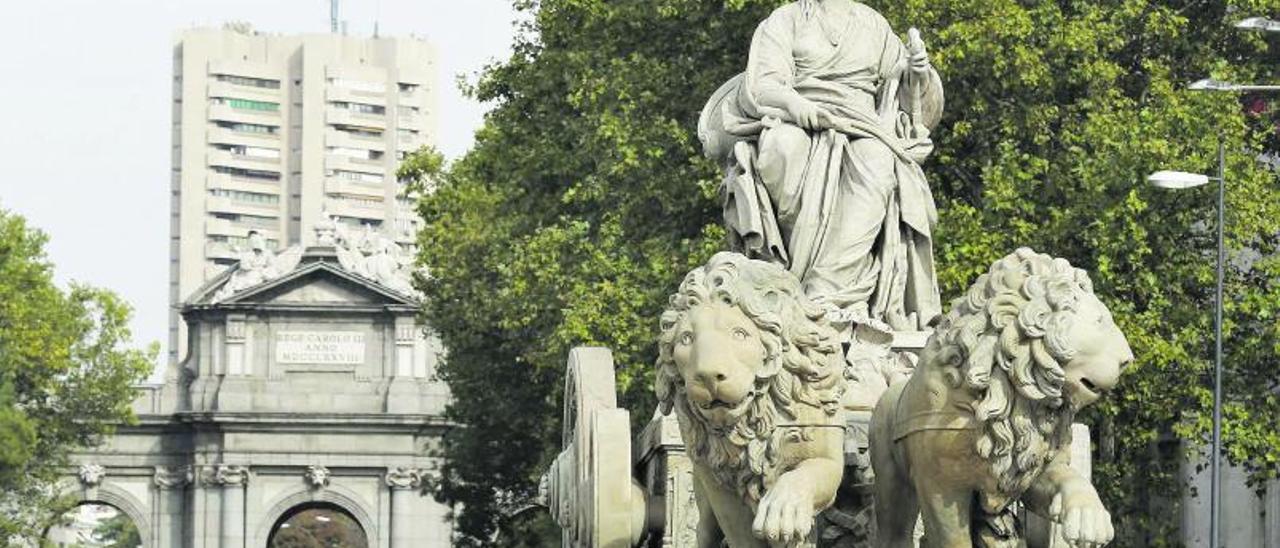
pixel 822 138
pixel 311 387
pixel 755 375
pixel 984 423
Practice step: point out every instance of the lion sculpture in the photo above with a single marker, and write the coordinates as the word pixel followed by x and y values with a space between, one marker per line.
pixel 755 374
pixel 985 420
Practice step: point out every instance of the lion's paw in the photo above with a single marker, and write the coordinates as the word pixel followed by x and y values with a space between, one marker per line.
pixel 785 515
pixel 1085 521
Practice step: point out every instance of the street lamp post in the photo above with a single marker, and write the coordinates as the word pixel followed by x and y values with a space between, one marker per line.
pixel 1177 180
pixel 1181 180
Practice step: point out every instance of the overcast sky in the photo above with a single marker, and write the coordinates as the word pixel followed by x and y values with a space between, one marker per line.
pixel 85 108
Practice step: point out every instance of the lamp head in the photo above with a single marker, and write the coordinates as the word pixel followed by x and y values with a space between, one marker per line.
pixel 1209 84
pixel 1259 23
pixel 1177 180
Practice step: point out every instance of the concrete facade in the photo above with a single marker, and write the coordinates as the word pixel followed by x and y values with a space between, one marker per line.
pixel 316 387
pixel 270 132
pixel 1249 518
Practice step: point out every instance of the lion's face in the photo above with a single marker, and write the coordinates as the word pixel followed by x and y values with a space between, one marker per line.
pixel 1102 352
pixel 718 354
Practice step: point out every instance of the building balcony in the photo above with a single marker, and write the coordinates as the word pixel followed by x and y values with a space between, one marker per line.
pixel 224 136
pixel 347 163
pixel 219 250
pixel 342 116
pixel 335 138
pixel 230 182
pixel 348 188
pixel 413 97
pixel 411 143
pixel 346 95
pixel 245 68
pixel 215 157
pixel 220 204
pixel 356 209
pixel 227 227
pixel 408 120
pixel 227 89
pixel 226 113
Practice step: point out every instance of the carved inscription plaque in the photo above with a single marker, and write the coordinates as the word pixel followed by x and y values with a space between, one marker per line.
pixel 320 347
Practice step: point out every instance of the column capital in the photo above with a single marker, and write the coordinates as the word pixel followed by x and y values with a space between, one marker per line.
pixel 225 475
pixel 173 477
pixel 404 478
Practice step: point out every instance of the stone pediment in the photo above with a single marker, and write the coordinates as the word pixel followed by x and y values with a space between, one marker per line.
pixel 314 282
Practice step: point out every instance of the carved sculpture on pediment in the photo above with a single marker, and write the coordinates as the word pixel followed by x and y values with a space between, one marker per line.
pixel 373 255
pixel 256 265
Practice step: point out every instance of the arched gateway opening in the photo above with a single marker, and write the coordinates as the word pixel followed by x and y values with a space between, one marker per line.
pixel 317 525
pixel 94 524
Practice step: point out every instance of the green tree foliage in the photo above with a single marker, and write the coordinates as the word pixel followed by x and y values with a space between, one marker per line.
pixel 65 375
pixel 585 200
pixel 319 528
pixel 118 531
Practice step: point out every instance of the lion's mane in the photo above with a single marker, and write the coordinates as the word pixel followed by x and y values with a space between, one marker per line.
pixel 1006 342
pixel 804 366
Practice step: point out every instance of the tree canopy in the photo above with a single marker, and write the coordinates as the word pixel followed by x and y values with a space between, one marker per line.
pixel 586 199
pixel 66 376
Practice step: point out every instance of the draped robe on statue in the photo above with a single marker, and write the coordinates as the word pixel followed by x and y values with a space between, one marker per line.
pixel 845 207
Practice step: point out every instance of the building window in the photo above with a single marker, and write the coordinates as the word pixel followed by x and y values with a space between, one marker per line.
pixel 246 173
pixel 247 128
pixel 366 178
pixel 248 221
pixel 247 81
pixel 245 104
pixel 241 241
pixel 357 153
pixel 250 152
pixel 354 131
pixel 408 88
pixel 247 197
pixel 360 107
pixel 358 222
pixel 358 85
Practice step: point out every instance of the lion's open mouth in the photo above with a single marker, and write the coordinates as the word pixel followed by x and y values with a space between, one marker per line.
pixel 718 404
pixel 718 410
pixel 1088 385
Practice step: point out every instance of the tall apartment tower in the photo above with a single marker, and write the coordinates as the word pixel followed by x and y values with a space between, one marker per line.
pixel 270 133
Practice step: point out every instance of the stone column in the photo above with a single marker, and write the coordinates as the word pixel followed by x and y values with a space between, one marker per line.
pixel 233 480
pixel 171 482
pixel 404 484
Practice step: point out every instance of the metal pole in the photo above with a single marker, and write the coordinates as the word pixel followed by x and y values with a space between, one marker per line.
pixel 1215 504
